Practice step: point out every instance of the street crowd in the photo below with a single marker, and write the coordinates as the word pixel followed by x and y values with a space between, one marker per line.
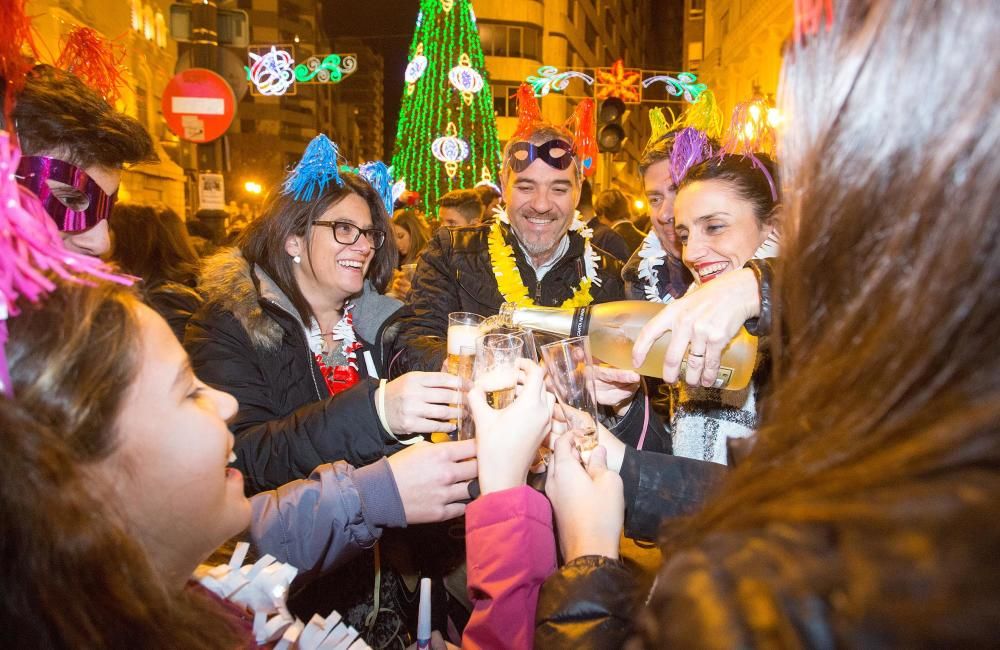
pixel 171 395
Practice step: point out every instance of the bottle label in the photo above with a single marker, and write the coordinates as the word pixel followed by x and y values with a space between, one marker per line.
pixel 581 322
pixel 721 380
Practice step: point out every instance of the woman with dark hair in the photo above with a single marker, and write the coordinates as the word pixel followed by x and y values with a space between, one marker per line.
pixel 153 244
pixel 411 234
pixel 117 486
pixel 865 514
pixel 292 326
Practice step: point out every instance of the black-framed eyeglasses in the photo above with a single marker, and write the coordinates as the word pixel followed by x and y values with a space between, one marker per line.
pixel 347 233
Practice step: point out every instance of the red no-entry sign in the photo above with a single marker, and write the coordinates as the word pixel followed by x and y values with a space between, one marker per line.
pixel 198 105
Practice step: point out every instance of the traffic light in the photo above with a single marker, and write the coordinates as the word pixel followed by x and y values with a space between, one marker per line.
pixel 610 134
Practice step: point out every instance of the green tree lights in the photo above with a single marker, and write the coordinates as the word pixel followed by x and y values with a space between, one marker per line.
pixel 447 136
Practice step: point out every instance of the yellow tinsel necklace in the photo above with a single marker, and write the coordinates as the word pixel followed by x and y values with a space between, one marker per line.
pixel 508 277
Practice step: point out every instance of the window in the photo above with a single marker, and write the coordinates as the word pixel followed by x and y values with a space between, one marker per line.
pixel 161 30
pixel 148 27
pixel 571 10
pixel 590 36
pixel 505 99
pixel 697 10
pixel 724 24
pixel 500 39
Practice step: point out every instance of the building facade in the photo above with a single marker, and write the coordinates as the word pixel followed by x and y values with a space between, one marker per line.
pixel 150 57
pixel 270 133
pixel 520 36
pixel 359 104
pixel 741 41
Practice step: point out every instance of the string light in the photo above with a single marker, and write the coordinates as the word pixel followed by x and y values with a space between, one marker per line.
pixel 447 134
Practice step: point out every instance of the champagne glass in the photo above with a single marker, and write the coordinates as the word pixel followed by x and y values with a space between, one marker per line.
pixel 466 424
pixel 570 368
pixel 496 367
pixel 463 331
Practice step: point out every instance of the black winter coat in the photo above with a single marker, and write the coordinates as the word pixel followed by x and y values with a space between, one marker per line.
pixel 244 341
pixel 912 568
pixel 454 274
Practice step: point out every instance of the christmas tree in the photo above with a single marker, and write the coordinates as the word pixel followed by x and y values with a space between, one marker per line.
pixel 447 137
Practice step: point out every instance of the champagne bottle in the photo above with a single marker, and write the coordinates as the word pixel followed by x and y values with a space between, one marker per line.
pixel 613 328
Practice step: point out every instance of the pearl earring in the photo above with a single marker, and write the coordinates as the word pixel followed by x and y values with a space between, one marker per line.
pixel 297 259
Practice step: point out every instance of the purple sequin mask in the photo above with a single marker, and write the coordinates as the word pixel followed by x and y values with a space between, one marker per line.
pixel 554 153
pixel 77 203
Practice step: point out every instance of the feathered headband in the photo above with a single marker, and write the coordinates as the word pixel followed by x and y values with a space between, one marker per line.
pixel 750 133
pixel 690 148
pixel 31 246
pixel 581 124
pixel 96 60
pixel 320 166
pixel 703 114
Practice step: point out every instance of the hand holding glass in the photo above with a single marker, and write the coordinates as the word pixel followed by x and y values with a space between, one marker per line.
pixel 570 369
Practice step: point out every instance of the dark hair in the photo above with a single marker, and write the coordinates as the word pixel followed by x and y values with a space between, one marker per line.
pixel 465 201
pixel 72 360
pixel 57 114
pixel 744 177
pixel 411 221
pixel 153 244
pixel 612 205
pixel 263 241
pixel 487 194
pixel 883 419
pixel 656 151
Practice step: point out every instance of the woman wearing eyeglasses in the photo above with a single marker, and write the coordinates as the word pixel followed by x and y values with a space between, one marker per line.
pixel 291 327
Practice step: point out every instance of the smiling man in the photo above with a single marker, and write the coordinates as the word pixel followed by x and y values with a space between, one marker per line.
pixel 536 245
pixel 74 145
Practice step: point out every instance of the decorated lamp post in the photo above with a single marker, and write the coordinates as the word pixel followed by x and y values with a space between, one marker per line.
pixel 446 138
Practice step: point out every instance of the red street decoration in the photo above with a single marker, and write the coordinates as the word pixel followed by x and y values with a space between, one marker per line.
pixel 619 81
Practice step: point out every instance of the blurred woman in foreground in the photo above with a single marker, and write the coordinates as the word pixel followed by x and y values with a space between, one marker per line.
pixel 866 513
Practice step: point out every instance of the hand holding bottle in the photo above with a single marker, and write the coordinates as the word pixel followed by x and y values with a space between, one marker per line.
pixel 704 321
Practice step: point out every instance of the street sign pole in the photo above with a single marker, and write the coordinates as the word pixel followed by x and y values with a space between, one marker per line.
pixel 205 40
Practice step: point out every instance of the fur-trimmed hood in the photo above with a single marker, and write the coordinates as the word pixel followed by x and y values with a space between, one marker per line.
pixel 227 283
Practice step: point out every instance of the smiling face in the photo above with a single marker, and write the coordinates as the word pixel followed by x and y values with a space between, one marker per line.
pixel 331 271
pixel 717 229
pixel 540 202
pixel 660 195
pixel 170 467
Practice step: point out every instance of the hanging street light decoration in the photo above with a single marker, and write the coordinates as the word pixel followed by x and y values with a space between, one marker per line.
pixel 273 71
pixel 619 81
pixel 684 84
pixel 331 69
pixel 549 79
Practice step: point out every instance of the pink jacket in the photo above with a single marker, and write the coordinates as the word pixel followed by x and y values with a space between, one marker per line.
pixel 510 550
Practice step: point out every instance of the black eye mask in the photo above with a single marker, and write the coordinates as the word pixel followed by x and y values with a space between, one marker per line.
pixel 557 154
